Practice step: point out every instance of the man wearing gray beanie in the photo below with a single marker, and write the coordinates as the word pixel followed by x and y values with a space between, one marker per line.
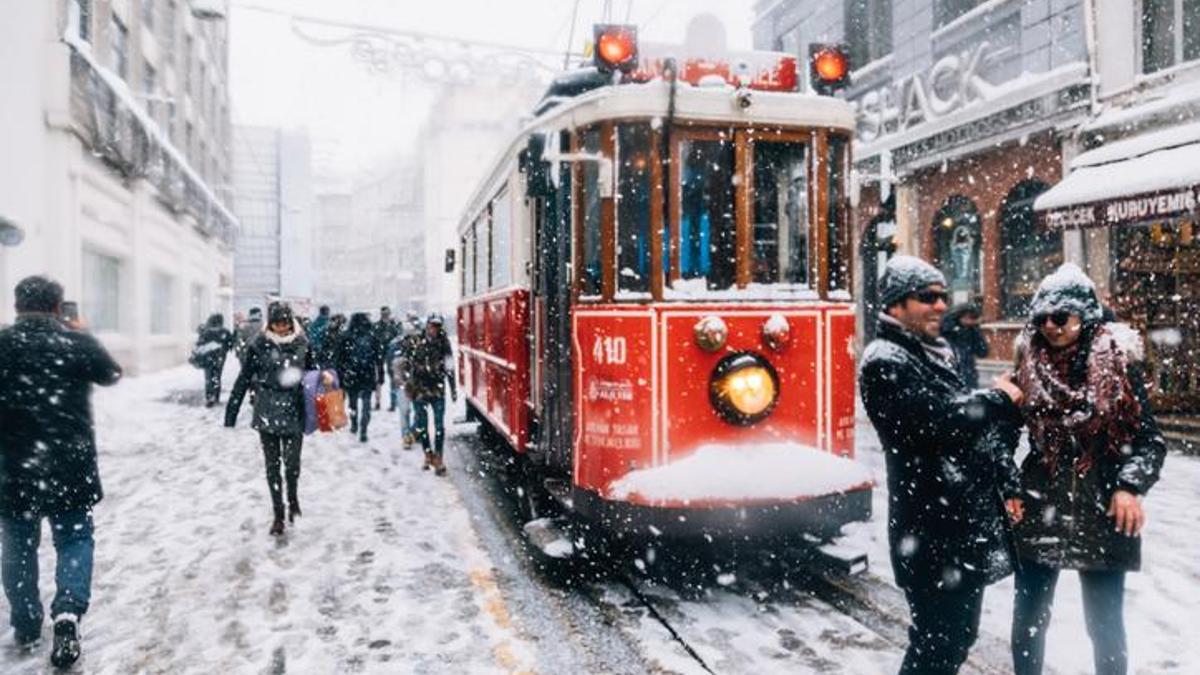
pixel 949 465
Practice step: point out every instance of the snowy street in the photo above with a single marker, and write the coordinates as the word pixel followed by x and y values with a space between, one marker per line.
pixel 391 569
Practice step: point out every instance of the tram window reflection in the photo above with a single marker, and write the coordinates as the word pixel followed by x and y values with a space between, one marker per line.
pixel 780 213
pixel 839 261
pixel 633 209
pixel 707 230
pixel 501 239
pixel 592 270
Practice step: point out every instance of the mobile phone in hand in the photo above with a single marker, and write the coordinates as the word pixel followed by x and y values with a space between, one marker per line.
pixel 69 311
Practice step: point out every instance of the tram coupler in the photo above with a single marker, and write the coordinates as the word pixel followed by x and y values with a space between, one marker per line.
pixel 551 536
pixel 834 557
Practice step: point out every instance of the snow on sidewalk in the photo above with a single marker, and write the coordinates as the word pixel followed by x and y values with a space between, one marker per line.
pixel 382 574
pixel 1160 601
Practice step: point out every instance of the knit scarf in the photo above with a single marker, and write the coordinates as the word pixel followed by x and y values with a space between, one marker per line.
pixel 1073 416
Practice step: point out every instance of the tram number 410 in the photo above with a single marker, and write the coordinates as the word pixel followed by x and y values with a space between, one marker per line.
pixel 610 350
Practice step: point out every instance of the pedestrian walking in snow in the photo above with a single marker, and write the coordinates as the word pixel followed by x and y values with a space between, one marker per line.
pixel 358 356
pixel 273 368
pixel 333 335
pixel 960 327
pixel 949 466
pixel 400 352
pixel 1095 450
pixel 318 328
pixel 386 330
pixel 48 462
pixel 246 331
pixel 212 344
pixel 429 370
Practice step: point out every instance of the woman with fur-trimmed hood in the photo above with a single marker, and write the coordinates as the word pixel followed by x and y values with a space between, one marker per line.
pixel 1095 450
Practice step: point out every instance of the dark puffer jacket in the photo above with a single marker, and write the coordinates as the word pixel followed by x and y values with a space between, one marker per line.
pixel 213 342
pixel 47 443
pixel 274 367
pixel 949 464
pixel 357 355
pixel 1066 523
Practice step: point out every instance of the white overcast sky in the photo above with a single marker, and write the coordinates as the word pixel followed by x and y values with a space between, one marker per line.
pixel 356 118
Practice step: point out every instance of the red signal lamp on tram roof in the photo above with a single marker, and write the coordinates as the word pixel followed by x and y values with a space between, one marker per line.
pixel 616 47
pixel 828 68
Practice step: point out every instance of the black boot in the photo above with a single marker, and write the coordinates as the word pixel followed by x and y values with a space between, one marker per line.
pixel 66 642
pixel 277 527
pixel 294 511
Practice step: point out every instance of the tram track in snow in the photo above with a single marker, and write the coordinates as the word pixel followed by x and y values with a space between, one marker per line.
pixel 782 589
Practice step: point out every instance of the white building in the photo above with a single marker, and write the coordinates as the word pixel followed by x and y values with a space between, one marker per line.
pixel 467 129
pixel 116 154
pixel 370 241
pixel 275 203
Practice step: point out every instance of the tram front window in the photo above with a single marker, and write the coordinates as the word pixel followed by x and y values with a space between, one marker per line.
pixel 707 229
pixel 633 208
pixel 780 216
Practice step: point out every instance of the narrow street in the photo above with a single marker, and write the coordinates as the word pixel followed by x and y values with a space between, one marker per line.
pixel 391 569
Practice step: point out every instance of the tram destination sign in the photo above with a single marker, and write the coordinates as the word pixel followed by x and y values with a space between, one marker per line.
pixel 1163 205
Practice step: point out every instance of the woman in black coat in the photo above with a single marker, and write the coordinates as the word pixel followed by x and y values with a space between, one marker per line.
pixel 212 345
pixel 1095 450
pixel 274 367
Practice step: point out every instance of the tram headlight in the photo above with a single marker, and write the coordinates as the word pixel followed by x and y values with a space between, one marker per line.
pixel 744 389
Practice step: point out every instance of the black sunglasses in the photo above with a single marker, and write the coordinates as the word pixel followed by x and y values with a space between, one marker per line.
pixel 930 297
pixel 1059 319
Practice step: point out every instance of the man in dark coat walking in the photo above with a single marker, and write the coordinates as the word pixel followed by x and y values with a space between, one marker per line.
pixel 48 461
pixel 386 330
pixel 949 466
pixel 212 344
pixel 356 358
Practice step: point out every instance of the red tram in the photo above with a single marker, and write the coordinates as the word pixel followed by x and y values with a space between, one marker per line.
pixel 655 312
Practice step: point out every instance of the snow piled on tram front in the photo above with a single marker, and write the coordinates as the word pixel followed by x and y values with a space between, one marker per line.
pixel 773 471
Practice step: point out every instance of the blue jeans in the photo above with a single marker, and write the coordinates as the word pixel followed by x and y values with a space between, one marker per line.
pixel 74 546
pixel 439 422
pixel 404 405
pixel 1103 611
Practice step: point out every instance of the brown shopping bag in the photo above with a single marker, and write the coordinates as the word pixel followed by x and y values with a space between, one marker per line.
pixel 331 410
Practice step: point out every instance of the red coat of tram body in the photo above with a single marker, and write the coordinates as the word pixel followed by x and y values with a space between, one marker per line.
pixel 640 380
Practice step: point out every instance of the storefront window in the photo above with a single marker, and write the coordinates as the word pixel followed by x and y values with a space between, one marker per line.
pixel 633 208
pixel 1170 33
pixel 869 28
pixel 1028 252
pixel 592 269
pixel 780 213
pixel 957 232
pixel 101 291
pixel 707 230
pixel 946 11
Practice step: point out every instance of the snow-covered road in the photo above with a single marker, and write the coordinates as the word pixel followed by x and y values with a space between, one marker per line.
pixel 383 573
pixel 393 570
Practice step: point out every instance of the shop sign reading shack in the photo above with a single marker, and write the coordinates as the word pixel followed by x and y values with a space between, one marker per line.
pixel 1152 207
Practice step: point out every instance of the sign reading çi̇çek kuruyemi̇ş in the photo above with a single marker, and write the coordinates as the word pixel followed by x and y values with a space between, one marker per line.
pixel 615 394
pixel 1154 206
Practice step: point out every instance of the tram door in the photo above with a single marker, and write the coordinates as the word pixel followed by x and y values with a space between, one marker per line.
pixel 551 324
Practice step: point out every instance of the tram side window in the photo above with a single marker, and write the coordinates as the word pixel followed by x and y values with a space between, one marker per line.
pixel 463 261
pixel 501 239
pixel 780 213
pixel 707 227
pixel 839 259
pixel 633 208
pixel 473 286
pixel 592 268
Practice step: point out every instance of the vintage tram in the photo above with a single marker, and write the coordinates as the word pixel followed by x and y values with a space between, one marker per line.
pixel 655 314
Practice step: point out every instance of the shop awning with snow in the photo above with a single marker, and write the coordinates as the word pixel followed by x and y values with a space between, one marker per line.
pixel 1150 178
